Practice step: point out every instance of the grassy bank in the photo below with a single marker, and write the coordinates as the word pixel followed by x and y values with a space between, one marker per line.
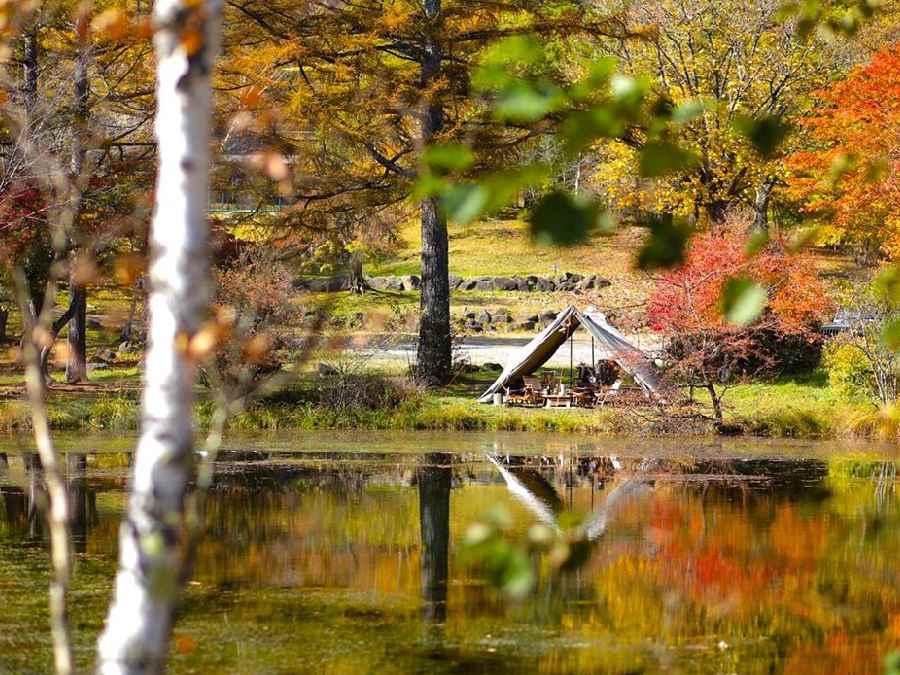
pixel 797 408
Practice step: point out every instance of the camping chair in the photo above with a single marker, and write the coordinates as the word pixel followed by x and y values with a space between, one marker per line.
pixel 607 396
pixel 549 382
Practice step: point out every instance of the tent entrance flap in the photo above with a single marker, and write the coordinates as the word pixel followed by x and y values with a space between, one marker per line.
pixel 536 353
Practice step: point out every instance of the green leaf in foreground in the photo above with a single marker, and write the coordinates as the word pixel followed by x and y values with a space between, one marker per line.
pixel 449 157
pixel 464 202
pixel 890 335
pixel 743 300
pixel 766 133
pixel 666 244
pixel 559 219
pixel 659 158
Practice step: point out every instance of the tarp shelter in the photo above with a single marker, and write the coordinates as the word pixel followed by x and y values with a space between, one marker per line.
pixel 613 346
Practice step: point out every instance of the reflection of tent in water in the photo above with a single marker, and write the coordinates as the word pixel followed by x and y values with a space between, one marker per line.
pixel 539 496
pixel 610 343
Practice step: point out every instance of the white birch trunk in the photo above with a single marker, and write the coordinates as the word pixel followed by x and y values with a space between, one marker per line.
pixel 151 552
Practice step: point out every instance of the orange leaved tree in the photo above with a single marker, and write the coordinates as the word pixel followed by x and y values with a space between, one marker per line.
pixel 851 173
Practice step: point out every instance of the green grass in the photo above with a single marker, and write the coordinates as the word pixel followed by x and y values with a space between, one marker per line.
pixel 504 247
pixel 803 407
pixel 800 407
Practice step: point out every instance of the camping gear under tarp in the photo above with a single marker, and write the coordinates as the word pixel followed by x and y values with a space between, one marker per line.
pixel 537 352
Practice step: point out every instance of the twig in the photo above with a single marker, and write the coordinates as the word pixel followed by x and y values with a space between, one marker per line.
pixel 58 511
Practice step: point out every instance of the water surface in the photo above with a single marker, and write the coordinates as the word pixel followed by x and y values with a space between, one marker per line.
pixel 343 553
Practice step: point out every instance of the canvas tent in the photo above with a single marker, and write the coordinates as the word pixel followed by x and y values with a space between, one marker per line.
pixel 611 342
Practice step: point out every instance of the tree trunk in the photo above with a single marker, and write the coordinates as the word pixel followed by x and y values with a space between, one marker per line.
pixel 717 211
pixel 76 358
pixel 152 536
pixel 761 207
pixel 716 401
pixel 435 348
pixel 4 322
pixel 434 522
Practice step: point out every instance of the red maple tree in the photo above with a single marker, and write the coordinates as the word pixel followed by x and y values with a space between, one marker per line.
pixel 704 349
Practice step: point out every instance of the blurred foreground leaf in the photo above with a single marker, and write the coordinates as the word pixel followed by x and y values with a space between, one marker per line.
pixel 766 132
pixel 659 158
pixel 743 300
pixel 559 219
pixel 666 244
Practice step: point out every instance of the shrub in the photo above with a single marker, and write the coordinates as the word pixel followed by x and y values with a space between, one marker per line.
pixel 849 370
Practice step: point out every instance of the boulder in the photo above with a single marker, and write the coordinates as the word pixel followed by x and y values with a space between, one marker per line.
pixel 546 285
pixel 502 316
pixel 534 318
pixel 485 317
pixel 492 366
pixel 504 284
pixel 455 282
pixel 484 284
pixel 105 356
pixel 522 284
pixel 468 284
pixel 548 316
pixel 326 370
pixel 594 281
pixel 324 284
pixel 470 315
pixel 411 282
pixel 526 325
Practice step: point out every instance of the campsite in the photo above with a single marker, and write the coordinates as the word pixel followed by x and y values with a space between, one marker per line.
pixel 449 336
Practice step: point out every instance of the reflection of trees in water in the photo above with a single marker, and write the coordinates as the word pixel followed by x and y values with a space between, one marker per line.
pixel 434 478
pixel 23 506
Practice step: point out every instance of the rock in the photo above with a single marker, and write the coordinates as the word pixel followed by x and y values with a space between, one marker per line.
pixel 106 356
pixel 97 365
pixel 455 282
pixel 534 318
pixel 485 317
pixel 326 370
pixel 124 348
pixel 491 366
pixel 470 315
pixel 526 325
pixel 504 284
pixel 94 324
pixel 474 327
pixel 594 281
pixel 484 284
pixel 532 281
pixel 545 285
pixel 323 285
pixel 548 316
pixel 522 284
pixel 411 282
pixel 502 317
pixel 468 284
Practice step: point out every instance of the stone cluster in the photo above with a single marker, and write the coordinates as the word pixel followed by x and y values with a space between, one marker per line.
pixel 567 282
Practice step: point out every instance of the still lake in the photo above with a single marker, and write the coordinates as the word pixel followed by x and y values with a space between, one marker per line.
pixel 328 553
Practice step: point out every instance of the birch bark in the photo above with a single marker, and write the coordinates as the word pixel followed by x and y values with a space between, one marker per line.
pixel 151 541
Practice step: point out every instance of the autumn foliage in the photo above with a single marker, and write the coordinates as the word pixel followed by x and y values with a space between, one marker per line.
pixel 688 298
pixel 703 347
pixel 852 173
